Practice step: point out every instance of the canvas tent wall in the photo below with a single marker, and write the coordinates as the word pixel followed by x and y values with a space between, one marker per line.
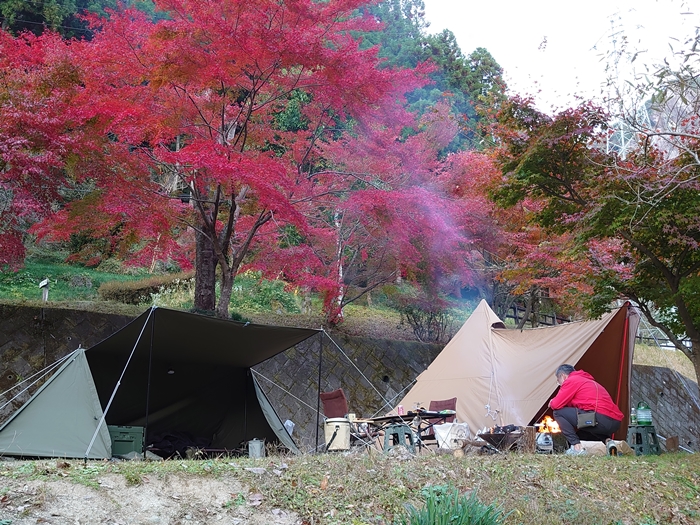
pixel 174 373
pixel 505 376
pixel 61 418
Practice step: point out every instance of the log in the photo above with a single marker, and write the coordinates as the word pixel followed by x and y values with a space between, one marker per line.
pixel 528 441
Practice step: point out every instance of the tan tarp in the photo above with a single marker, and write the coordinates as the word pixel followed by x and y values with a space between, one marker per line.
pixel 505 376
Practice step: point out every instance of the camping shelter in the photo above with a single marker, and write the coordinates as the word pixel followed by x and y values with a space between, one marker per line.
pixel 174 373
pixel 506 376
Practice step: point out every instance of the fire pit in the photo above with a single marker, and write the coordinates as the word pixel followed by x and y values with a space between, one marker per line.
pixel 502 438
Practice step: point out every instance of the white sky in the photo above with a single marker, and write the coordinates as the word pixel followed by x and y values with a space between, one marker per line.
pixel 555 49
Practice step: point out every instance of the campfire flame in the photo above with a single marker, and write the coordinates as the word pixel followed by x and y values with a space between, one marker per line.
pixel 548 425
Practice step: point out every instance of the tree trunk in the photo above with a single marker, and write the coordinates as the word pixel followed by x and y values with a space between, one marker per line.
pixel 535 322
pixel 205 274
pixel 695 359
pixel 526 315
pixel 226 291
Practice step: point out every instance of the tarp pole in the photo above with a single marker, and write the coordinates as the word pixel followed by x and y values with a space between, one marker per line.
pixel 148 387
pixel 623 353
pixel 116 387
pixel 318 398
pixel 622 357
pixel 245 407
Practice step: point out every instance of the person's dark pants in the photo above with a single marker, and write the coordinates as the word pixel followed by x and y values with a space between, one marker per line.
pixel 567 418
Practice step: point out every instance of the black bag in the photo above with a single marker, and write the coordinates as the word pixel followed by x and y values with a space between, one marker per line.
pixel 586 419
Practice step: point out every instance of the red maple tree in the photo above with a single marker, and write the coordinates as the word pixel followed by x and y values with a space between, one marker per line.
pixel 231 107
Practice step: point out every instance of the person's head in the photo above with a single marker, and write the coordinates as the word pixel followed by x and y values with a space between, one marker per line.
pixel 563 372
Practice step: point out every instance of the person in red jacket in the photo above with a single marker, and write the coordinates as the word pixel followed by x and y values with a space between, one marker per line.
pixel 579 392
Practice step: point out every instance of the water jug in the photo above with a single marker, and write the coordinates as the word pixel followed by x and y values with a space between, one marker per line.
pixel 256 448
pixel 643 414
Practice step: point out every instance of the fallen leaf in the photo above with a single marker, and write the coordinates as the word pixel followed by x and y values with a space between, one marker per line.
pixel 256 470
pixel 255 499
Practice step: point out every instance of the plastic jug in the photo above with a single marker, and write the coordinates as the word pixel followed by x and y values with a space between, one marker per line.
pixel 643 414
pixel 256 448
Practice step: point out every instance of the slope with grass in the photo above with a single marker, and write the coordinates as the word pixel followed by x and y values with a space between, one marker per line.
pixel 355 489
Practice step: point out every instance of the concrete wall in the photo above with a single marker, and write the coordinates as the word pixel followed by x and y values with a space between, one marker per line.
pixel 674 401
pixel 373 373
pixel 33 338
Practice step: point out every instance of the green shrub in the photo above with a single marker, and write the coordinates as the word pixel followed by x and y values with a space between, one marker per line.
pixel 47 253
pixel 251 292
pixel 111 266
pixel 446 506
pixel 142 291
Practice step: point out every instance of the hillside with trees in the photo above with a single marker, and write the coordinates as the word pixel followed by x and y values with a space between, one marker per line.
pixel 339 149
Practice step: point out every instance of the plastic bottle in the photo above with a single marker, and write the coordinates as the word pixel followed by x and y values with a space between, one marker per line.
pixel 633 416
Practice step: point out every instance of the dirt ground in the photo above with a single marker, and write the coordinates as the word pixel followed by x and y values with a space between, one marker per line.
pixel 173 500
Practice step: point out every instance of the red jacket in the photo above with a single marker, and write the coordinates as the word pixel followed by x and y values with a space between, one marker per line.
pixel 580 390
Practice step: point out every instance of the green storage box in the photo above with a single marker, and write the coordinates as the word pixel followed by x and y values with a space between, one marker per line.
pixel 126 439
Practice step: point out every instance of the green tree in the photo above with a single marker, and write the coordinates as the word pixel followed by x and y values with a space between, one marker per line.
pixel 470 85
pixel 402 38
pixel 62 16
pixel 636 218
pixel 475 85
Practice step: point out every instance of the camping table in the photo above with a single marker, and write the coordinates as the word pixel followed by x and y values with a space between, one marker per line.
pixel 420 422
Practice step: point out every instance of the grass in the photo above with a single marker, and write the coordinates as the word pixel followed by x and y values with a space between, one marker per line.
pixel 362 489
pixel 664 357
pixel 67 282
pixel 255 299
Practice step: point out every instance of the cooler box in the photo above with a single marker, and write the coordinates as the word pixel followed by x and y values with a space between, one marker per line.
pixel 126 439
pixel 337 433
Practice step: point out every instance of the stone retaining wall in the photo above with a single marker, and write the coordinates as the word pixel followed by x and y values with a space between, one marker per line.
pixel 674 401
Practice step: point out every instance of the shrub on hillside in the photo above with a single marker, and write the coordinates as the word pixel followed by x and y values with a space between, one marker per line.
pixel 142 291
pixel 252 292
pixel 46 253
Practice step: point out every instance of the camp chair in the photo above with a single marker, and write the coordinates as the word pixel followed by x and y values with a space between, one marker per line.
pixel 335 404
pixel 437 406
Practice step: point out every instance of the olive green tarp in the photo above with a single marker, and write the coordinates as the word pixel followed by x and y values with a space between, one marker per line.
pixel 173 372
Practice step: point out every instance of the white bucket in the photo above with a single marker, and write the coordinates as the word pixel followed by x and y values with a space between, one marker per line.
pixel 341 428
pixel 256 448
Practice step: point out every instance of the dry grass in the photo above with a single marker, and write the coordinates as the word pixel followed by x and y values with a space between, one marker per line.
pixel 664 357
pixel 363 489
pixel 359 321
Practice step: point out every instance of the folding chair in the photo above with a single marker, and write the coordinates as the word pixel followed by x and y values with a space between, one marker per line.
pixel 437 406
pixel 335 404
pixel 444 404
